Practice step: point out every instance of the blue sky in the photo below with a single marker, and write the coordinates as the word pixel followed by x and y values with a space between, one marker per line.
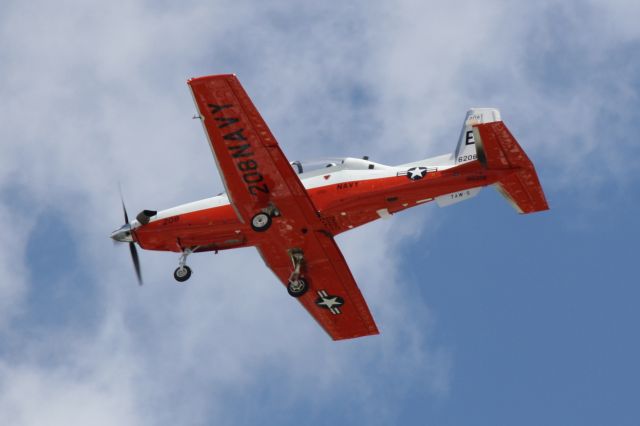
pixel 487 317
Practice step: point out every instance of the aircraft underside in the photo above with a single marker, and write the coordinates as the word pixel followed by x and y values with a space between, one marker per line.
pixel 291 212
pixel 341 207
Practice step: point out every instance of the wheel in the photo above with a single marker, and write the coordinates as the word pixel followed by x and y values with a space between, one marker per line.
pixel 182 274
pixel 298 287
pixel 261 222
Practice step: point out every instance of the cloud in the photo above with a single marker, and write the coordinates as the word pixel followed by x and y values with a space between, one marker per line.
pixel 12 268
pixel 94 93
pixel 75 392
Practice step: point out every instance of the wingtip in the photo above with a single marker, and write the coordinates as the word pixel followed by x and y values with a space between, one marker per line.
pixel 210 77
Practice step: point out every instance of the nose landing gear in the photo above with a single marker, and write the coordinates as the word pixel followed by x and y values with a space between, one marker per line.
pixel 183 272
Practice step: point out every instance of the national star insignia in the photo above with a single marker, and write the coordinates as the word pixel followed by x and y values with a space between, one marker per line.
pixel 416 173
pixel 327 301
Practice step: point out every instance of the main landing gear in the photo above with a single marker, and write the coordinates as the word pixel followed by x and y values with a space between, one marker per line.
pixel 183 272
pixel 297 284
pixel 262 220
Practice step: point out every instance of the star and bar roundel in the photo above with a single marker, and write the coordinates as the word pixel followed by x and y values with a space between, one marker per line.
pixel 327 301
pixel 414 173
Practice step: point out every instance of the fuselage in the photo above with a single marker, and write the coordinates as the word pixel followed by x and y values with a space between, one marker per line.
pixel 346 195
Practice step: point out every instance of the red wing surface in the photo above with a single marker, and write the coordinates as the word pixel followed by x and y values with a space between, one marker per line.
pixel 258 176
pixel 254 170
pixel 333 299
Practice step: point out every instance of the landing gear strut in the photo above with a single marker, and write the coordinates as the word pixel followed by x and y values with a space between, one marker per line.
pixel 183 272
pixel 297 284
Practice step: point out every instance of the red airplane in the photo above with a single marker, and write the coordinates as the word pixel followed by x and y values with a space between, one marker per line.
pixel 291 211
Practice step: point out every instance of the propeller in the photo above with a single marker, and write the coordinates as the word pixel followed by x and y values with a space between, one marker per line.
pixel 123 234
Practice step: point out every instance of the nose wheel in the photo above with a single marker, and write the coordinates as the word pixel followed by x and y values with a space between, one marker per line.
pixel 183 272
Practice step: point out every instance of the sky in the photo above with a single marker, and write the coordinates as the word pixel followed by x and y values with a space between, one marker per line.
pixel 486 317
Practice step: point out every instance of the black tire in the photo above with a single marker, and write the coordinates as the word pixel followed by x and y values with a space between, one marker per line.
pixel 297 288
pixel 260 222
pixel 182 274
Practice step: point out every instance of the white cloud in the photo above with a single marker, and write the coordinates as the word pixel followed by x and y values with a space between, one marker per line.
pixel 53 397
pixel 94 93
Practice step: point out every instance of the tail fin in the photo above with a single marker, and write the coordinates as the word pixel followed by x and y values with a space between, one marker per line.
pixel 466 150
pixel 497 149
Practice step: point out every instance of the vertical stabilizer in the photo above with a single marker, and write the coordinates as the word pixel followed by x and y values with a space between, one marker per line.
pixel 466 150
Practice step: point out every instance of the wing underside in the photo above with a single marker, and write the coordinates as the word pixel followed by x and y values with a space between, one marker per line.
pixel 258 177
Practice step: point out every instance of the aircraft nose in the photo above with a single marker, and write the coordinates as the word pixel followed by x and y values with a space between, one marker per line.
pixel 123 234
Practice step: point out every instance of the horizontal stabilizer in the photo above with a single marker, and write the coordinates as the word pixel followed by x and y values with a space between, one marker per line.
pixel 498 150
pixel 456 197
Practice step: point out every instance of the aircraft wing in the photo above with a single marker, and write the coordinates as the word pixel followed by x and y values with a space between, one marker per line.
pixel 333 298
pixel 254 170
pixel 258 176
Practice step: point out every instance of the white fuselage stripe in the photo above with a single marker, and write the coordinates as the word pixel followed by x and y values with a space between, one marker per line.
pixel 311 181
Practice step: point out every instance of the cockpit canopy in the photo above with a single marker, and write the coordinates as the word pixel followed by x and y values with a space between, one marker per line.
pixel 334 164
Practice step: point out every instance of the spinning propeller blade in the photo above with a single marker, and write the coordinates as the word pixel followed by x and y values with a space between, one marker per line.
pixel 124 209
pixel 124 235
pixel 136 261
